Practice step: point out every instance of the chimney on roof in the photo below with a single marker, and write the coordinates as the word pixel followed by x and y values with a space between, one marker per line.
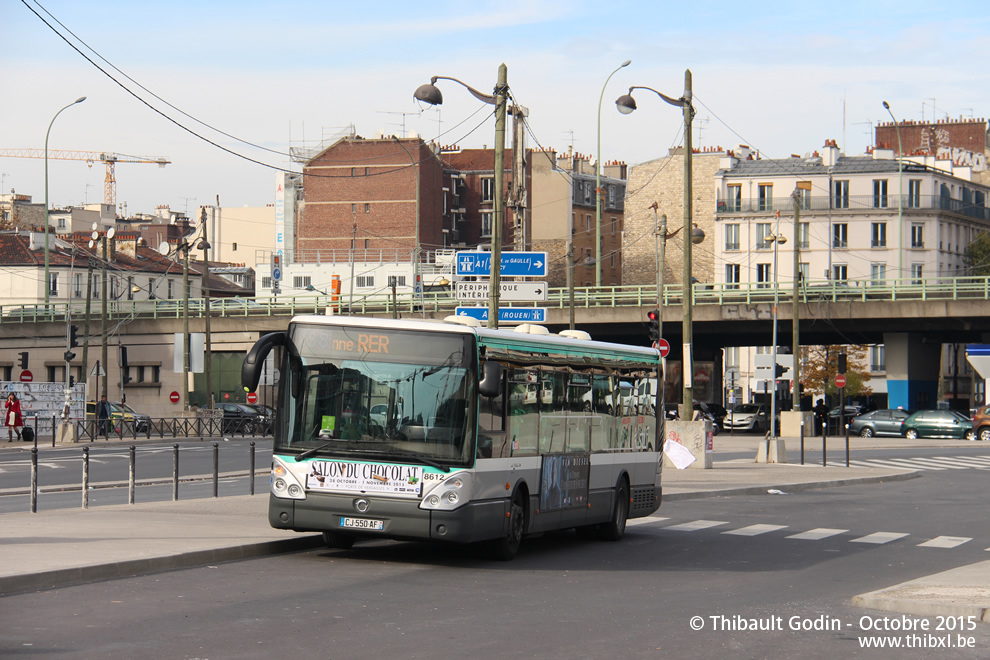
pixel 830 153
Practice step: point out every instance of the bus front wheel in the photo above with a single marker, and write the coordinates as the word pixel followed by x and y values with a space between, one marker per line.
pixel 338 540
pixel 506 547
pixel 616 527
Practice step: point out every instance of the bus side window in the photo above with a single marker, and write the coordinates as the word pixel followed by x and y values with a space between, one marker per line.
pixel 491 425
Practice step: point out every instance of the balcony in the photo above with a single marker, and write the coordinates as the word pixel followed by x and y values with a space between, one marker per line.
pixel 855 203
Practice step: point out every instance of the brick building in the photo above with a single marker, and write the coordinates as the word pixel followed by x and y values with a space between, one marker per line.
pixel 961 142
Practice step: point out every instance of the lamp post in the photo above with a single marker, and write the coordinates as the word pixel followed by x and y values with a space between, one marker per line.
pixel 900 194
pixel 692 234
pixel 430 94
pixel 598 183
pixel 777 239
pixel 48 284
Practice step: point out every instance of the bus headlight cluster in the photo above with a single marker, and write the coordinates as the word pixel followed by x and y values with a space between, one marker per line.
pixel 449 494
pixel 284 483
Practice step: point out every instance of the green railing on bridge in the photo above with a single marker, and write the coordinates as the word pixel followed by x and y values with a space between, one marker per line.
pixel 908 289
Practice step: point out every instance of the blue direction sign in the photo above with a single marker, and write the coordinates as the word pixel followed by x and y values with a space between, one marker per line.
pixel 514 264
pixel 507 314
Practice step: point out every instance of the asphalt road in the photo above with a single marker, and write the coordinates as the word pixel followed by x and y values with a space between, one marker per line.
pixel 562 597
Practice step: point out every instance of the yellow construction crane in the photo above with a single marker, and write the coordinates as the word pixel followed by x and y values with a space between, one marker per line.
pixel 109 183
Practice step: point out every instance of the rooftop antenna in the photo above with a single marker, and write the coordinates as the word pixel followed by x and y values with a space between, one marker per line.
pixel 187 200
pixel 403 114
pixel 869 131
pixel 701 123
pixel 572 138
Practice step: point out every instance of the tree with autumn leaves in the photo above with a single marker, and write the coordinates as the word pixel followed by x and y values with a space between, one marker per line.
pixel 819 367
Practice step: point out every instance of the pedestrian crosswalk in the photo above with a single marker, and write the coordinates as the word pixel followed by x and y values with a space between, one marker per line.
pixel 816 534
pixel 938 463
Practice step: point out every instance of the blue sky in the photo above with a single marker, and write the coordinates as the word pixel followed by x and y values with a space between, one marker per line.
pixel 780 76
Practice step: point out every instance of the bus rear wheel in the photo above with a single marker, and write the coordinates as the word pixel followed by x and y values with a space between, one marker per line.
pixel 338 540
pixel 507 547
pixel 616 527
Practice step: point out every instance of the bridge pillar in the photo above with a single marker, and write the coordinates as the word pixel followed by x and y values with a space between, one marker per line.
pixel 912 370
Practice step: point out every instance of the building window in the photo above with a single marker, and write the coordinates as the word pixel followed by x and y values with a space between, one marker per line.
pixel 573 223
pixel 587 220
pixel 53 283
pixel 841 194
pixel 734 201
pixel 917 273
pixel 168 291
pixel 487 189
pixel 732 236
pixel 914 194
pixel 130 287
pixel 367 208
pixel 611 196
pixel 731 276
pixel 732 357
pixel 400 279
pixel 486 223
pixel 364 281
pixel 917 235
pixel 266 282
pixel 804 231
pixel 353 171
pixel 61 223
pixel 615 223
pixel 353 208
pixel 803 193
pixel 878 358
pixel 301 281
pixel 762 276
pixel 233 247
pixel 762 231
pixel 840 235
pixel 840 272
pixel 803 270
pixel 78 286
pixel 879 193
pixel 766 196
pixel 878 274
pixel 879 235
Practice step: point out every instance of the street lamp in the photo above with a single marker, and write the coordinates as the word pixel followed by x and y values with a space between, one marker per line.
pixel 900 194
pixel 598 183
pixel 777 239
pixel 430 94
pixel 626 104
pixel 48 284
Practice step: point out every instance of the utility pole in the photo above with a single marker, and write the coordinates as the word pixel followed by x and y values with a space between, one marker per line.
pixel 103 284
pixel 185 326
pixel 795 316
pixel 89 300
pixel 495 280
pixel 206 306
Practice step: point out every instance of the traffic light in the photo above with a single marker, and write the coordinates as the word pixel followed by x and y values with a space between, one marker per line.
pixel 653 322
pixel 73 336
pixel 124 371
pixel 23 362
pixel 69 356
pixel 842 363
pixel 72 382
pixel 778 371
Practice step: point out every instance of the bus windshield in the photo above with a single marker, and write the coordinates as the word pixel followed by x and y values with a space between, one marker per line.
pixel 373 394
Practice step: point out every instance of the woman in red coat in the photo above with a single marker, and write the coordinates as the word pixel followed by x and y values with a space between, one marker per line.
pixel 12 417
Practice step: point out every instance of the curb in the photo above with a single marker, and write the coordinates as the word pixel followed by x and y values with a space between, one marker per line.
pixel 882 600
pixel 139 567
pixel 813 485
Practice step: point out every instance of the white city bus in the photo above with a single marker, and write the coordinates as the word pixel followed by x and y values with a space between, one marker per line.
pixel 446 432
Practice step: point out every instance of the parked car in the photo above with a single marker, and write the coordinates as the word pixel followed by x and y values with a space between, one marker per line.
pixel 851 411
pixel 121 413
pixel 981 423
pixel 238 418
pixel 142 422
pixel 938 424
pixel 879 422
pixel 750 417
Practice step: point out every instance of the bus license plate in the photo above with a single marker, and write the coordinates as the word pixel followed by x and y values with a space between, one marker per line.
pixel 362 523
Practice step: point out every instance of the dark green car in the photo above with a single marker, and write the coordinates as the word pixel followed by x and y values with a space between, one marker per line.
pixel 938 424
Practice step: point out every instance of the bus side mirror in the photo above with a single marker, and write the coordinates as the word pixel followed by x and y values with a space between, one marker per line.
pixel 491 379
pixel 254 361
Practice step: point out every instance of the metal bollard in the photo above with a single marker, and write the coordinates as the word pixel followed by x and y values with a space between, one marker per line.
pixel 251 471
pixel 85 482
pixel 802 442
pixel 130 479
pixel 34 480
pixel 847 445
pixel 175 472
pixel 53 430
pixel 824 443
pixel 216 469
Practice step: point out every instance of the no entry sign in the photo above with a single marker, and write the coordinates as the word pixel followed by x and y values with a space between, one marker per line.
pixel 663 346
pixel 840 380
pixel 252 397
pixel 174 397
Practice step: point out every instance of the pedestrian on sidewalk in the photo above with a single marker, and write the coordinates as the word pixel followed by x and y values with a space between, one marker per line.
pixel 821 416
pixel 12 417
pixel 103 415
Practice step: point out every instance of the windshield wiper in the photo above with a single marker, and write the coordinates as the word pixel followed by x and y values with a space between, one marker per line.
pixel 309 452
pixel 419 458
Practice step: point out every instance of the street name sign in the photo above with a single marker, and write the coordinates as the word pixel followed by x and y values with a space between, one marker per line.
pixel 507 314
pixel 513 264
pixel 508 291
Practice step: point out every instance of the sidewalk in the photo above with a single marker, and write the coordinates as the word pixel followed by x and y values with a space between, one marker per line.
pixel 58 548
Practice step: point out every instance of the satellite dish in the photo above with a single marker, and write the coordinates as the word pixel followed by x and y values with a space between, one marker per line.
pixel 92 243
pixel 164 248
pixel 95 226
pixel 111 232
pixel 95 235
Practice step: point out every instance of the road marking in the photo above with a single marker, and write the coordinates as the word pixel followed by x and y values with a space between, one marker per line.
pixel 644 521
pixel 879 462
pixel 696 525
pixel 945 542
pixel 879 538
pixel 817 534
pixel 755 530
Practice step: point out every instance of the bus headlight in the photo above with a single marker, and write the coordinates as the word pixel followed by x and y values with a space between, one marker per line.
pixel 449 494
pixel 285 484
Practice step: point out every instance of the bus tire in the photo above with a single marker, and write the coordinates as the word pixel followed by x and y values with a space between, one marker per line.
pixel 507 547
pixel 616 527
pixel 338 540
